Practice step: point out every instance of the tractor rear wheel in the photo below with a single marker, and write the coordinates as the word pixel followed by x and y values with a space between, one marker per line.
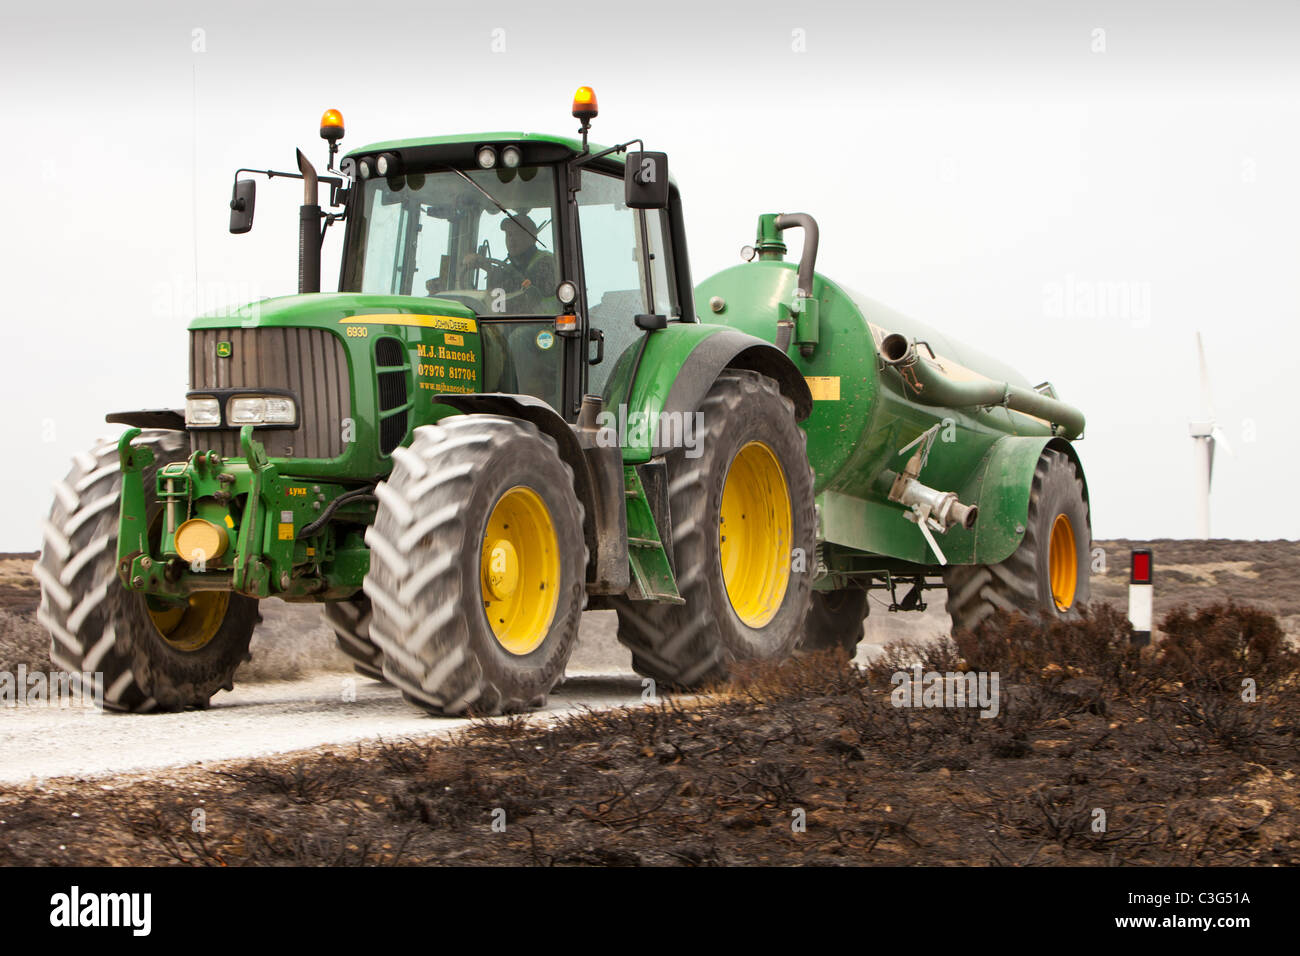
pixel 1049 571
pixel 351 622
pixel 741 511
pixel 477 566
pixel 141 654
pixel 836 619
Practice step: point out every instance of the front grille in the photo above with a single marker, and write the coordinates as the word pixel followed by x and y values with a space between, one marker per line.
pixel 391 432
pixel 308 362
pixel 389 351
pixel 392 390
pixel 394 393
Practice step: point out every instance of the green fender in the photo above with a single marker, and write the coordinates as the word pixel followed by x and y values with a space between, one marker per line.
pixel 1001 487
pixel 676 370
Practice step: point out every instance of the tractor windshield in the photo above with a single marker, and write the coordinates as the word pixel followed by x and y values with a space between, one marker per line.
pixel 485 238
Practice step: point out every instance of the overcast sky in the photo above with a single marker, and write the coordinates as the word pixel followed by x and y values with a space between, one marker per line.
pixel 1078 187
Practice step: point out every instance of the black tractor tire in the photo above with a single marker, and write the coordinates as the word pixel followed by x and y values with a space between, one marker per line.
pixel 697 643
pixel 836 619
pixel 1023 582
pixel 104 632
pixel 429 573
pixel 350 620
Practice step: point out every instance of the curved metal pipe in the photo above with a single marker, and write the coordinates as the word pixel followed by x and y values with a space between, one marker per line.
pixel 808 259
pixel 310 192
pixel 927 385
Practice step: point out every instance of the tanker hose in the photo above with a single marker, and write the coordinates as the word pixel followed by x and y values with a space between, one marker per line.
pixel 807 266
pixel 808 260
pixel 925 383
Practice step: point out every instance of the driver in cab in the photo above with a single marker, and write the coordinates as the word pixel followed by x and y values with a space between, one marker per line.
pixel 527 275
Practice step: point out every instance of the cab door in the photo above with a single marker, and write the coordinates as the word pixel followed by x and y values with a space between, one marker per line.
pixel 627 270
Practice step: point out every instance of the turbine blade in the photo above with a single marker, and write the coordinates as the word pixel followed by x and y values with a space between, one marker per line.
pixel 1220 437
pixel 1207 400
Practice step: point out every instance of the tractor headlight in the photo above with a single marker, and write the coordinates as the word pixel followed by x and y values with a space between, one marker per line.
pixel 261 410
pixel 202 412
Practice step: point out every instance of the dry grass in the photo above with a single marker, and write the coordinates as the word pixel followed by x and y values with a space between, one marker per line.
pixel 1160 741
pixel 1191 574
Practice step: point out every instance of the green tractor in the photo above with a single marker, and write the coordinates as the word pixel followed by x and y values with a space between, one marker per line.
pixel 510 412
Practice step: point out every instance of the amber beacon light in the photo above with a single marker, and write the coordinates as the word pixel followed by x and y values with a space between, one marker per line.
pixel 584 104
pixel 331 125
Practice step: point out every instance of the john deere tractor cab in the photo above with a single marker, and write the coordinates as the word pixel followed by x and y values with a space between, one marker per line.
pixel 510 411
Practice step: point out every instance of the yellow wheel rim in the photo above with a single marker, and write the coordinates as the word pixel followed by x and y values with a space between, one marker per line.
pixel 520 570
pixel 754 534
pixel 190 626
pixel 1063 563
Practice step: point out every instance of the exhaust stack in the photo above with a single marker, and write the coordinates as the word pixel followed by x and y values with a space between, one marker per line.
pixel 309 235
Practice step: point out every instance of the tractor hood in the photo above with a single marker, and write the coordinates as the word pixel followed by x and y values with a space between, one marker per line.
pixel 327 309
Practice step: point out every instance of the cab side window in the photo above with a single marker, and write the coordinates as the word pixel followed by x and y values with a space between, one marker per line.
pixel 615 261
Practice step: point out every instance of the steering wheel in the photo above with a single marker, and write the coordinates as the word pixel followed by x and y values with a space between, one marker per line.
pixel 468 275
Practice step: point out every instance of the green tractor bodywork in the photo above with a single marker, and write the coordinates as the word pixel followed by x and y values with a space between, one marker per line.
pixel 283 508
pixel 858 418
pixel 447 361
pixel 266 502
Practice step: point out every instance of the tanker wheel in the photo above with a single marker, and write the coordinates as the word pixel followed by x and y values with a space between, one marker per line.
pixel 477 566
pixel 139 653
pixel 739 512
pixel 836 619
pixel 1049 571
pixel 351 622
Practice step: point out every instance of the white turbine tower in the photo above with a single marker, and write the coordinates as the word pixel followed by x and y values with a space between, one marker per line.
pixel 1206 434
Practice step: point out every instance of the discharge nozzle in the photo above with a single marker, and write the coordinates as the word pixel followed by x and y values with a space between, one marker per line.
pixel 930 509
pixel 943 505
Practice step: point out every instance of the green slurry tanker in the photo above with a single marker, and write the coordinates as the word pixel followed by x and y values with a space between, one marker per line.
pixel 518 406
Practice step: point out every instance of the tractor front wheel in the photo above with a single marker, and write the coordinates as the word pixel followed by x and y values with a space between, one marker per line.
pixel 1048 572
pixel 351 622
pixel 477 566
pixel 139 653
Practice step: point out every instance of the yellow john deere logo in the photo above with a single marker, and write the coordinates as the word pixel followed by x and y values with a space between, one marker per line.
pixel 223 350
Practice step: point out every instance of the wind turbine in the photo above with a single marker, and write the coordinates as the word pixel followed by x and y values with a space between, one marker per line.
pixel 1206 434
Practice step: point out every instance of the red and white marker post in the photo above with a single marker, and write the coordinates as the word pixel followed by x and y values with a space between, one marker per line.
pixel 1140 596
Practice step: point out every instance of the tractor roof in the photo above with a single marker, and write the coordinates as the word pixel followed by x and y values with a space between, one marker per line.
pixel 459 148
pixel 567 143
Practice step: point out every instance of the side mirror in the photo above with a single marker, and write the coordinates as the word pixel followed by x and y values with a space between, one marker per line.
pixel 242 201
pixel 645 180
